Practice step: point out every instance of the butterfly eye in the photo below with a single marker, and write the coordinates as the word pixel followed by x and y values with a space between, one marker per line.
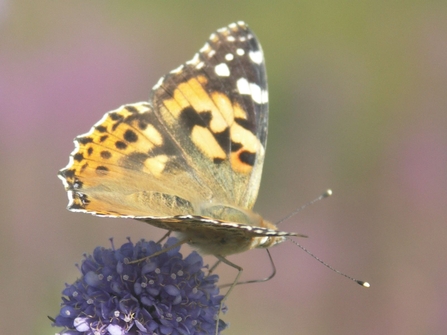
pixel 265 242
pixel 270 241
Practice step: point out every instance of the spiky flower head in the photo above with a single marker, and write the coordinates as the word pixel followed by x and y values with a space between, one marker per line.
pixel 165 294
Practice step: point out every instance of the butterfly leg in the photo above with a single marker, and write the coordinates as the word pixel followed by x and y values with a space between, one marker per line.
pixel 213 268
pixel 226 261
pixel 257 280
pixel 165 236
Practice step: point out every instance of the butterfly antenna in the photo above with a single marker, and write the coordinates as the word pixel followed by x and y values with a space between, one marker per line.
pixel 360 282
pixel 326 194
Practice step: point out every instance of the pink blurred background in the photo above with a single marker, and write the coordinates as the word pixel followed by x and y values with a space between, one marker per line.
pixel 358 103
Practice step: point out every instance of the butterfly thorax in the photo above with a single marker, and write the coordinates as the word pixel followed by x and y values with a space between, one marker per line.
pixel 230 213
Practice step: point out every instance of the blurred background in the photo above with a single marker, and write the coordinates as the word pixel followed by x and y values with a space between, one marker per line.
pixel 358 103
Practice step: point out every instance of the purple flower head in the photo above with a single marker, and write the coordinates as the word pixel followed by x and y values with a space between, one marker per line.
pixel 165 294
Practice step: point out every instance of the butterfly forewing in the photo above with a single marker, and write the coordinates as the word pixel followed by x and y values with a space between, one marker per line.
pixel 216 105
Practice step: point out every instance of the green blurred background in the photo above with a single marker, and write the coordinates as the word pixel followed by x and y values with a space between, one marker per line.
pixel 358 103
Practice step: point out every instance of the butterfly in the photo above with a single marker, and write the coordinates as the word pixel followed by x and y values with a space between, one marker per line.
pixel 189 159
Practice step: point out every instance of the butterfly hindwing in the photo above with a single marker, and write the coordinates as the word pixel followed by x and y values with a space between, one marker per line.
pixel 120 167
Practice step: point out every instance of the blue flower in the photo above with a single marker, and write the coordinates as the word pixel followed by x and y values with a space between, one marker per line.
pixel 165 294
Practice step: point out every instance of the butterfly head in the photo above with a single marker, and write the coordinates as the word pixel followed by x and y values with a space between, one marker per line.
pixel 271 236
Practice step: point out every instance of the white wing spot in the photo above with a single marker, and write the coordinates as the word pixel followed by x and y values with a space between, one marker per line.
pixel 206 48
pixel 229 57
pixel 231 39
pixel 200 65
pixel 259 96
pixel 221 30
pixel 158 84
pixel 194 60
pixel 222 70
pixel 256 56
pixel 177 70
pixel 242 39
pixel 211 53
pixel 243 86
pixel 240 52
pixel 256 94
pixel 232 25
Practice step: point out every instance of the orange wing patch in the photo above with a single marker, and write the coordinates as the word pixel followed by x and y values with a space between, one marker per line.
pixel 217 133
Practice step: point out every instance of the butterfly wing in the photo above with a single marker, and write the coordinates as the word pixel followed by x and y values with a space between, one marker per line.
pixel 128 166
pixel 200 138
pixel 216 105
